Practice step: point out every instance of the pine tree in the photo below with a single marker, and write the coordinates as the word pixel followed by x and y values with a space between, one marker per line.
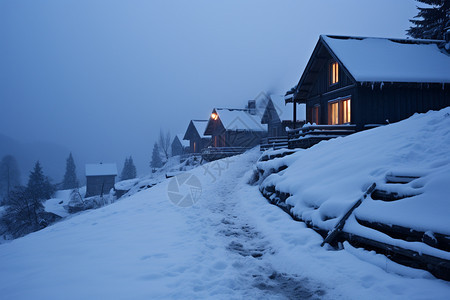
pixel 70 180
pixel 129 169
pixel 124 174
pixel 430 22
pixel 156 158
pixel 132 172
pixel 9 175
pixel 39 187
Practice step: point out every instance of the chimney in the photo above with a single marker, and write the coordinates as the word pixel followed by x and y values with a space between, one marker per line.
pixel 252 107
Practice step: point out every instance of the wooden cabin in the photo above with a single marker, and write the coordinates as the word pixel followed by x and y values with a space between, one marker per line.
pixel 195 134
pixel 235 127
pixel 179 146
pixel 371 81
pixel 100 178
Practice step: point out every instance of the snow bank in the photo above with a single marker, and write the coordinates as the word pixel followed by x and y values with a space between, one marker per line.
pixel 327 178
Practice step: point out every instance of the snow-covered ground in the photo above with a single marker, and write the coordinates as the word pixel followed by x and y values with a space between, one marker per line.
pixel 325 180
pixel 231 244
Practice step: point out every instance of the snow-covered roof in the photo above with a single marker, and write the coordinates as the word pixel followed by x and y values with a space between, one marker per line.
pixel 240 119
pixel 200 126
pixel 101 169
pixel 280 106
pixel 184 143
pixel 391 60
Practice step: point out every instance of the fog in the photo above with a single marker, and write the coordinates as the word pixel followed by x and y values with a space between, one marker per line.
pixel 101 78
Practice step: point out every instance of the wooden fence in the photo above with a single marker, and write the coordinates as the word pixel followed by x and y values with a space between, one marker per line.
pixel 310 135
pixel 274 143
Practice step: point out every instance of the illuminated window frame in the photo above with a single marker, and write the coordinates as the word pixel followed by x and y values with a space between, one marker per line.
pixel 339 111
pixel 334 73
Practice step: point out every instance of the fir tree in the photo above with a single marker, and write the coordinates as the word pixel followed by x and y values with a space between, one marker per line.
pixel 39 187
pixel 132 167
pixel 431 21
pixel 129 169
pixel 70 178
pixel 156 158
pixel 22 213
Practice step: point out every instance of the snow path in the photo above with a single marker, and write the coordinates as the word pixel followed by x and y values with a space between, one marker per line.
pixel 248 247
pixel 230 245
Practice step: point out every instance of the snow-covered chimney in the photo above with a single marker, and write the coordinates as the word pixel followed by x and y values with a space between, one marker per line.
pixel 252 107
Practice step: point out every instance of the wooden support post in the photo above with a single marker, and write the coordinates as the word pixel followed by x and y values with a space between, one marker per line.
pixel 332 235
pixel 295 113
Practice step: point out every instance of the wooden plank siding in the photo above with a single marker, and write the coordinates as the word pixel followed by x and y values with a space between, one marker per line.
pixel 371 102
pixel 396 102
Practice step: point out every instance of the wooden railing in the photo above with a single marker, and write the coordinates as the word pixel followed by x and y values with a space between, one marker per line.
pixel 213 153
pixel 274 143
pixel 310 135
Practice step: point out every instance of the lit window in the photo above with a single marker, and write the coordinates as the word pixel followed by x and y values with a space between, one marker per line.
pixel 334 73
pixel 339 112
pixel 346 111
pixel 214 116
pixel 334 113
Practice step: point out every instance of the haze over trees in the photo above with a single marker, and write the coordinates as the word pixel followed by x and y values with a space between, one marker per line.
pixel 9 175
pixel 24 209
pixel 129 169
pixel 70 180
pixel 430 22
pixel 156 158
pixel 164 141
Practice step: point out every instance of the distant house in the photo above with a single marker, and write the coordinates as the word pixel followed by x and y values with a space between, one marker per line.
pixel 195 134
pixel 179 146
pixel 365 81
pixel 275 116
pixel 100 178
pixel 235 127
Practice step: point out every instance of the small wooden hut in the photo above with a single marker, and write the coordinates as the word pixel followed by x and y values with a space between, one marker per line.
pixel 100 178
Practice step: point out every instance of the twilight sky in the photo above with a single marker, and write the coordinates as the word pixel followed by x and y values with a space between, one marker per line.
pixel 103 77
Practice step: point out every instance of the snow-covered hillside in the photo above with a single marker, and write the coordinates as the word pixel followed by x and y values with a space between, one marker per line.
pixel 231 244
pixel 325 179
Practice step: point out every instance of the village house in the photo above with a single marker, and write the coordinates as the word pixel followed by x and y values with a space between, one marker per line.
pixel 233 131
pixel 366 82
pixel 100 178
pixel 195 134
pixel 179 146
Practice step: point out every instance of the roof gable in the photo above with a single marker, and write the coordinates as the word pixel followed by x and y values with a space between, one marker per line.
pixel 196 130
pixel 179 139
pixel 230 119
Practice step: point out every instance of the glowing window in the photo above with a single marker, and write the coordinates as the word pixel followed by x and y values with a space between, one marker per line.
pixel 346 113
pixel 334 113
pixel 214 116
pixel 334 73
pixel 339 112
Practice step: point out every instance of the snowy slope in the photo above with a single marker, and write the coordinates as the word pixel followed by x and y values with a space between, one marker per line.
pixel 326 179
pixel 231 244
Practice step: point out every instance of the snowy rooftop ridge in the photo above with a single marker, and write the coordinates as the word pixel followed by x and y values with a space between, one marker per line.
pixel 240 119
pixel 371 59
pixel 184 143
pixel 200 125
pixel 101 169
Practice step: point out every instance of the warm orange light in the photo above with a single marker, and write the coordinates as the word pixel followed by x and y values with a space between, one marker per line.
pixel 214 116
